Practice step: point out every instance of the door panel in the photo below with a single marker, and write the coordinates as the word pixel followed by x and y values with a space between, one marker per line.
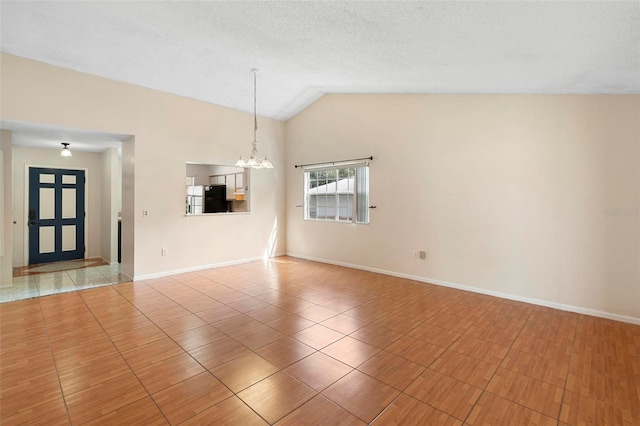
pixel 69 238
pixel 47 204
pixel 47 239
pixel 69 208
pixel 56 215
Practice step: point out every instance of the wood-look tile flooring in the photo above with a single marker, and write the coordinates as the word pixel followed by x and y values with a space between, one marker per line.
pixel 292 342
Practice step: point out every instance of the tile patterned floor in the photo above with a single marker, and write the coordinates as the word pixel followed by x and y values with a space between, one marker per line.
pixel 292 342
pixel 64 265
pixel 33 284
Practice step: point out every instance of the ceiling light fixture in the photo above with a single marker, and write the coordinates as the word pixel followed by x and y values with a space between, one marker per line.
pixel 254 162
pixel 66 152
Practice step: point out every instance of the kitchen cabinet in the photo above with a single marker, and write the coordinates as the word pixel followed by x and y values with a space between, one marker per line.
pixel 234 182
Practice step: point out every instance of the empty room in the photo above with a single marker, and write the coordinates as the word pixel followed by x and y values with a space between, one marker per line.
pixel 320 213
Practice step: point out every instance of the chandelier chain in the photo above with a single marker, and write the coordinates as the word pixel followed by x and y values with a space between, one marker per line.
pixel 255 116
pixel 255 161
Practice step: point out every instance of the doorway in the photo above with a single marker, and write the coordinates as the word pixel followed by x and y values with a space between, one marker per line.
pixel 108 190
pixel 56 215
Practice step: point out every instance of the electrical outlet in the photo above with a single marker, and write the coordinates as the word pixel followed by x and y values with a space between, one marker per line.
pixel 145 213
pixel 419 254
pixel 163 252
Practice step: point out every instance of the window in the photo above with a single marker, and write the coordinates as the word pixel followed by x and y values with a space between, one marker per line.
pixel 337 194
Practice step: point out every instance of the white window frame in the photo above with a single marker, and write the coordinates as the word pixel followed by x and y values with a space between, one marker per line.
pixel 360 208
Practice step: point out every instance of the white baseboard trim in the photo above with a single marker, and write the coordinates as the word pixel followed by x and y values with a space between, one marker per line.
pixel 200 268
pixel 548 304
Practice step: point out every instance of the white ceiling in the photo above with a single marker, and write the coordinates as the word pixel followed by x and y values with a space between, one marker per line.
pixel 45 136
pixel 204 50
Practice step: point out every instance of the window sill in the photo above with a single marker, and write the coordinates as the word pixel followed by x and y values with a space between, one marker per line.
pixel 347 222
pixel 217 214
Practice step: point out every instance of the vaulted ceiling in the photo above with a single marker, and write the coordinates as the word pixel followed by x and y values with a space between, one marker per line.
pixel 204 50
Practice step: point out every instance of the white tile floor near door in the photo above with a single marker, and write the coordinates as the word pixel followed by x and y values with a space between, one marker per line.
pixel 60 282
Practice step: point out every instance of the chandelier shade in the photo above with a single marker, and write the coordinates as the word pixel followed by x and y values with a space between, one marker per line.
pixel 66 152
pixel 255 161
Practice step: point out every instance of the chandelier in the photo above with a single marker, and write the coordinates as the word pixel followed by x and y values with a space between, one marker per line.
pixel 254 161
pixel 65 152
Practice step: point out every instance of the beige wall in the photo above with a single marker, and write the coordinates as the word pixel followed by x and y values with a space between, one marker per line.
pixel 168 131
pixel 111 189
pixel 129 217
pixel 91 162
pixel 6 224
pixel 507 194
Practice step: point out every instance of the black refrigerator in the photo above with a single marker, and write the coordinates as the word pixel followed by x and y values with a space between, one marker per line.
pixel 215 199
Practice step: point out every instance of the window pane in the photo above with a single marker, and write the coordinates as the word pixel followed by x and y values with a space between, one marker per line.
pixel 322 206
pixel 331 176
pixel 312 207
pixel 350 181
pixel 322 181
pixel 345 207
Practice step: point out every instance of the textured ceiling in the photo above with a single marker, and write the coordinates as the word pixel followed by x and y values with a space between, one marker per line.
pixel 204 50
pixel 50 137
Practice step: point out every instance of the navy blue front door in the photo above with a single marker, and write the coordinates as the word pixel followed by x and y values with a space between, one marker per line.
pixel 56 215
